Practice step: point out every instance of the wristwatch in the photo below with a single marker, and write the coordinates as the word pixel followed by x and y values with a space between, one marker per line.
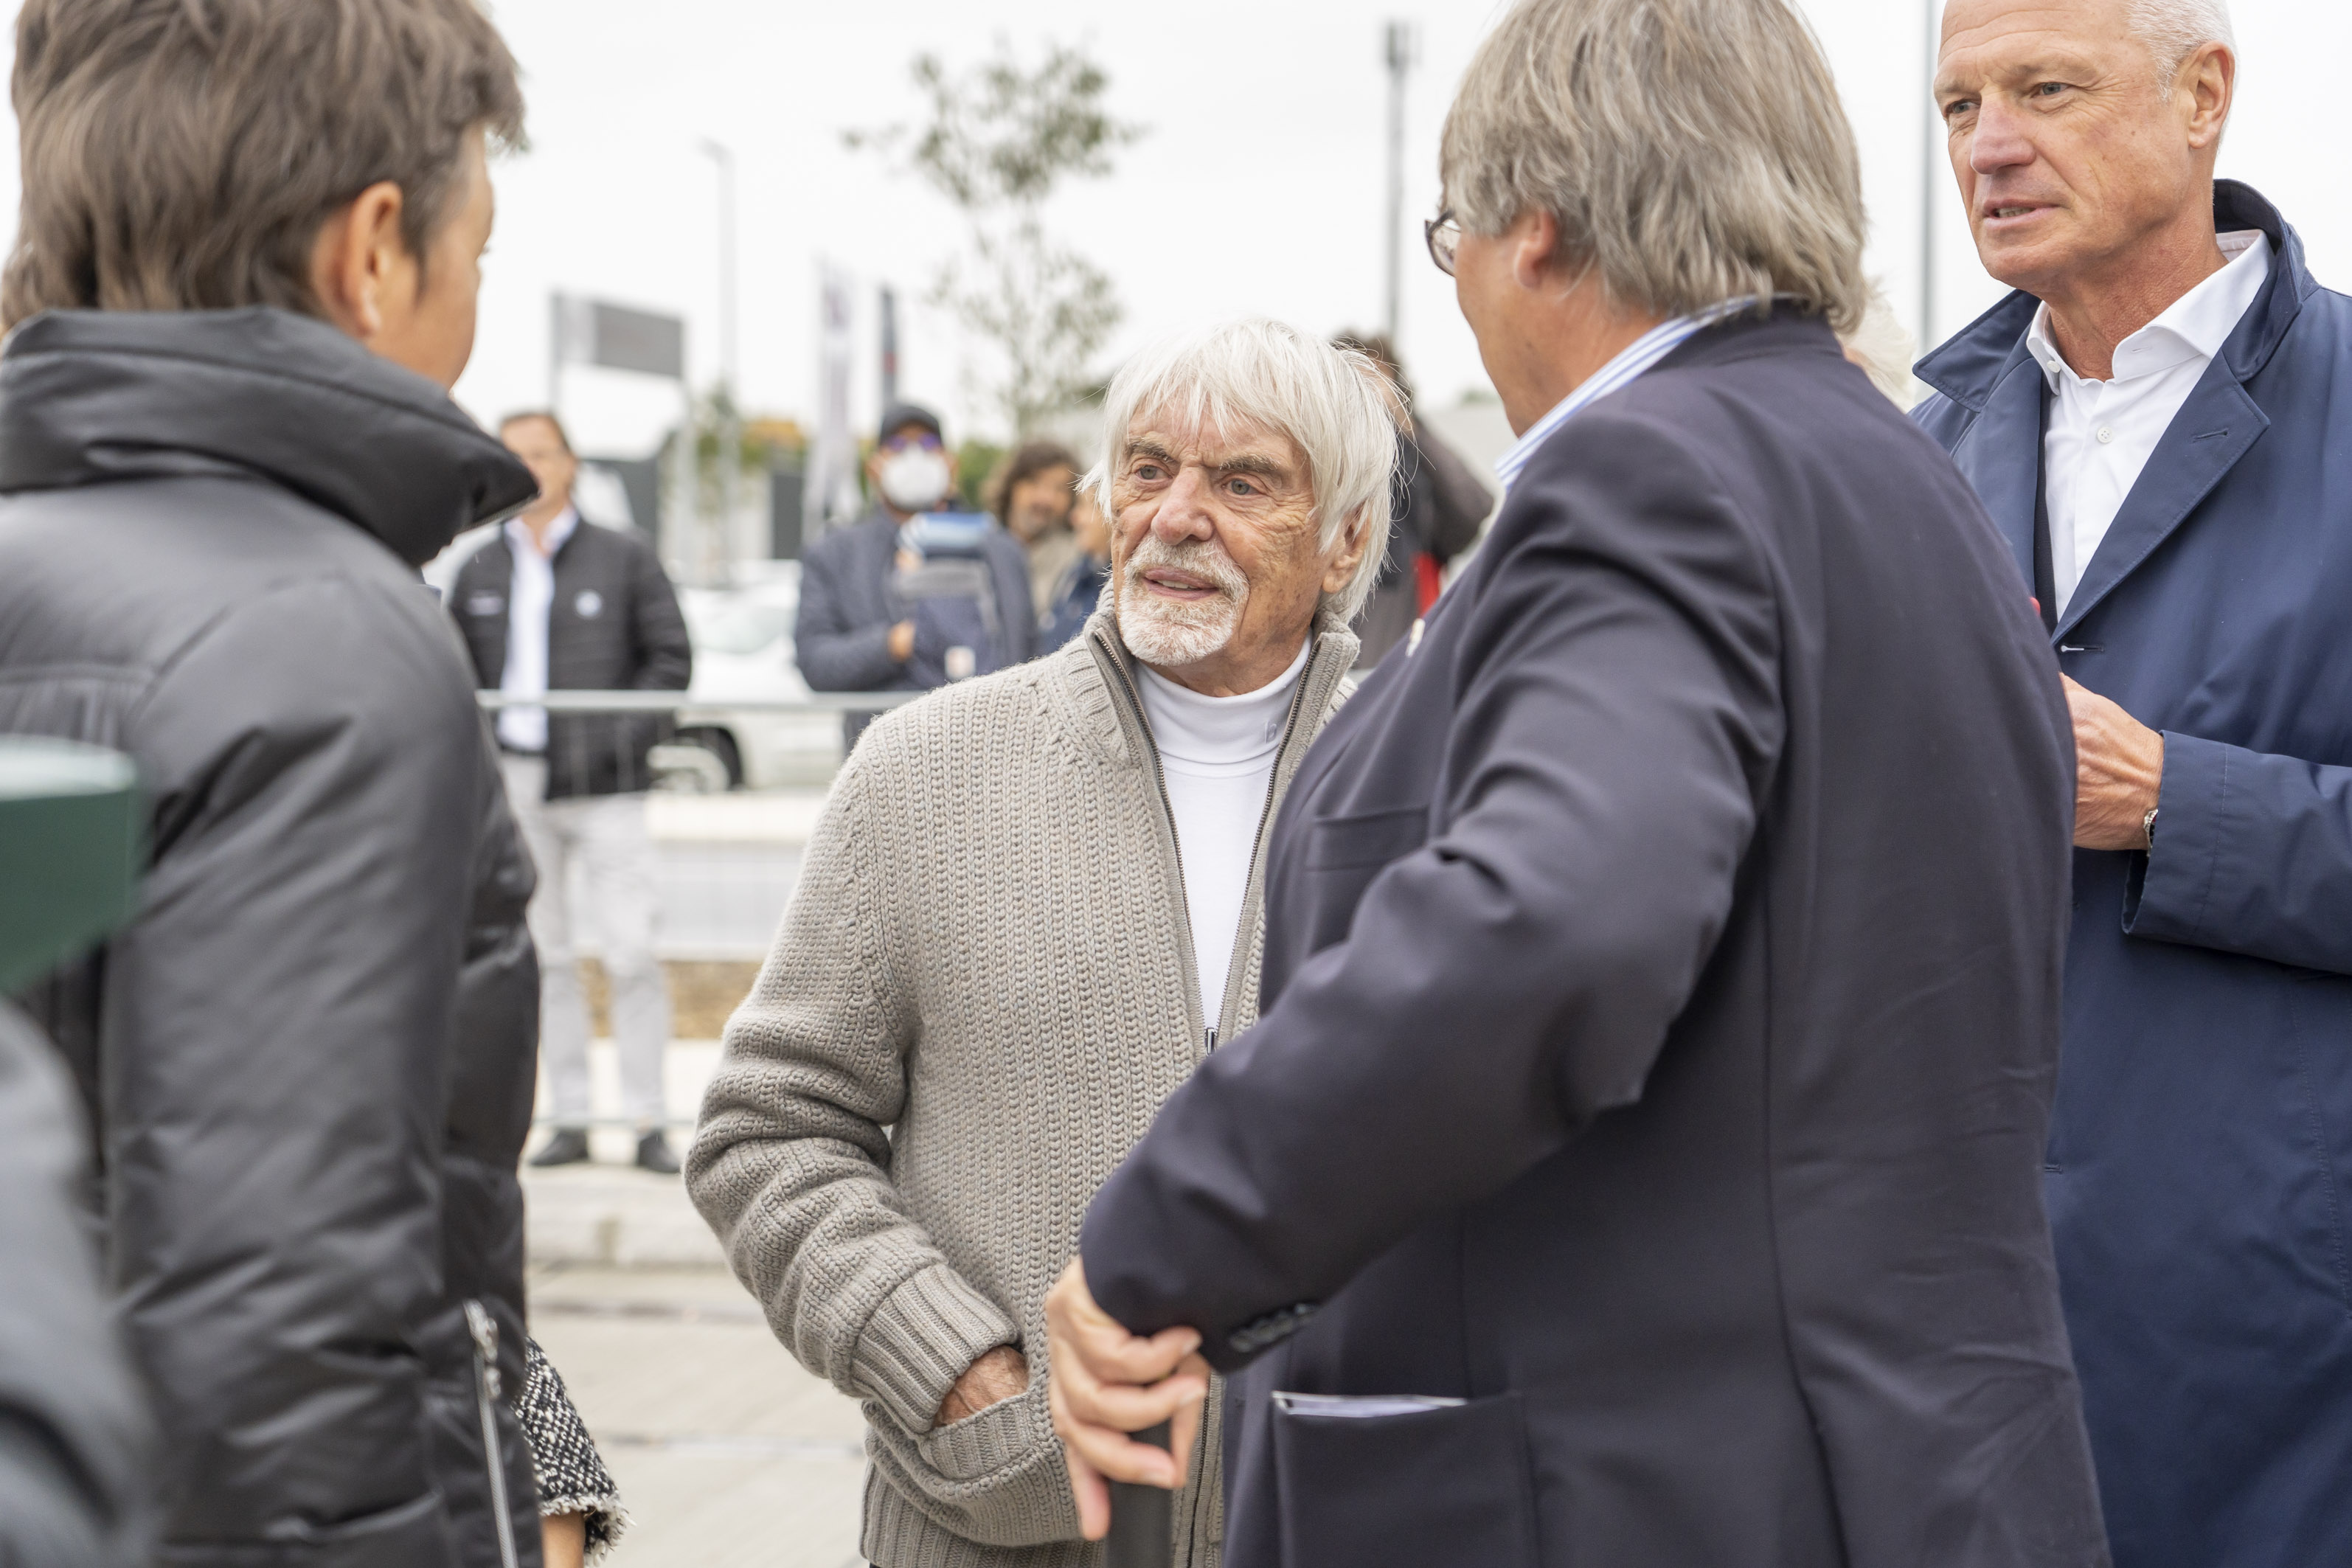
pixel 2147 827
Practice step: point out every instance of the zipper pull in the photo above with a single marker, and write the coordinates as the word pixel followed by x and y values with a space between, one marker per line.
pixel 485 1329
pixel 1211 1033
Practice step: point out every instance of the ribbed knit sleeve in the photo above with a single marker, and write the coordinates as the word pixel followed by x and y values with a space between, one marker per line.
pixel 791 1165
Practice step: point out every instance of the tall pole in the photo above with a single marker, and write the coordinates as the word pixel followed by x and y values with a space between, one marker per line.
pixel 889 345
pixel 1930 180
pixel 730 438
pixel 1400 61
pixel 555 352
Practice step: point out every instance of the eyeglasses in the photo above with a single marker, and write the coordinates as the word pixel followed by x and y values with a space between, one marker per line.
pixel 1443 233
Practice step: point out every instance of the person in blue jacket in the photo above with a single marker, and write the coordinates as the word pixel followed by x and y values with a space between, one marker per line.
pixel 862 626
pixel 2159 420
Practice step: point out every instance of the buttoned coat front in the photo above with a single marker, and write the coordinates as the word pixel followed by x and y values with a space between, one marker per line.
pixel 2200 1154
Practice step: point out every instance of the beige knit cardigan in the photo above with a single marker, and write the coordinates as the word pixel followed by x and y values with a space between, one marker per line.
pixel 982 992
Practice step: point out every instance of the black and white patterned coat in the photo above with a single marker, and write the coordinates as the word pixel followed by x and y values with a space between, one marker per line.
pixel 570 1472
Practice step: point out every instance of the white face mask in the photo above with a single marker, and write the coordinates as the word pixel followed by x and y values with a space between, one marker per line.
pixel 915 479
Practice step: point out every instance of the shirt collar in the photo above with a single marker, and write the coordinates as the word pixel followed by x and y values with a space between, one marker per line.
pixel 2193 329
pixel 1644 352
pixel 519 533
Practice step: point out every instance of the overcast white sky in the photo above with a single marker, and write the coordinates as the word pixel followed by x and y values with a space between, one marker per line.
pixel 1259 188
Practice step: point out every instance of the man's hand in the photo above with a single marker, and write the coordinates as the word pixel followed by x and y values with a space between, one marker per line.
pixel 1000 1374
pixel 1104 1383
pixel 2118 769
pixel 902 642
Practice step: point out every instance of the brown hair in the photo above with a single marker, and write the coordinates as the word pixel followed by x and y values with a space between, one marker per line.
pixel 182 154
pixel 1033 458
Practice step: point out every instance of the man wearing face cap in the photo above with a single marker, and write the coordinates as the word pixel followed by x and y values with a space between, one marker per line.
pixel 858 630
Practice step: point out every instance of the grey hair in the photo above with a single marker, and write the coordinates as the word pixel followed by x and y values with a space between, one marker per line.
pixel 1693 151
pixel 1335 403
pixel 2175 29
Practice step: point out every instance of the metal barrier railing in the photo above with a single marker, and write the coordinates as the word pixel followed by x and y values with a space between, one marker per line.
pixel 600 741
pixel 681 701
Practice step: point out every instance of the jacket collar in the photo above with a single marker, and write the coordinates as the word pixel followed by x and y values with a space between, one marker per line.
pixel 1974 363
pixel 1098 657
pixel 96 396
pixel 1987 371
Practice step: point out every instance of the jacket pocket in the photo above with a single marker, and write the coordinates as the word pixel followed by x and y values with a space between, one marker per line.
pixel 1444 1486
pixel 1372 838
pixel 994 1478
pixel 987 1441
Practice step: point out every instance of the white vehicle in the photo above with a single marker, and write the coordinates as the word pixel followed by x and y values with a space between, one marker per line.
pixel 729 734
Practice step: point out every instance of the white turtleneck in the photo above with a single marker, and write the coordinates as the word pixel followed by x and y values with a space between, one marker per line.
pixel 1217 755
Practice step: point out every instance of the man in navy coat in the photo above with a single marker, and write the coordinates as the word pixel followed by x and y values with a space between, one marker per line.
pixel 1639 1161
pixel 2160 421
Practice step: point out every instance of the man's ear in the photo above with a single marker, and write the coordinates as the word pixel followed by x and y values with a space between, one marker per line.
pixel 1352 544
pixel 1535 248
pixel 2209 78
pixel 359 258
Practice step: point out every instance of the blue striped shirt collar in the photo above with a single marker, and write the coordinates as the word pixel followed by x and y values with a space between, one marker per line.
pixel 1645 351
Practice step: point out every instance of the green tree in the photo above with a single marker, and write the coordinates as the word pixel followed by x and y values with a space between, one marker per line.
pixel 997 141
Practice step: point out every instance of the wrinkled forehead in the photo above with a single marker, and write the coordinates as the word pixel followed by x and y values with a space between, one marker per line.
pixel 1224 442
pixel 1995 40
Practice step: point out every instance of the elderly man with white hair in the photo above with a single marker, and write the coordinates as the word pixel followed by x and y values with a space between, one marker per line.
pixel 1029 912
pixel 2159 420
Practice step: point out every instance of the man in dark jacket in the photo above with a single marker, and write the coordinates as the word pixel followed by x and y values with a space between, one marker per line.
pixel 1638 1159
pixel 245 274
pixel 556 603
pixel 858 630
pixel 2158 420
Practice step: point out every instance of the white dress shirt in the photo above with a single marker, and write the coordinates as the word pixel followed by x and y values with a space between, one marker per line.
pixel 2102 433
pixel 1217 755
pixel 528 599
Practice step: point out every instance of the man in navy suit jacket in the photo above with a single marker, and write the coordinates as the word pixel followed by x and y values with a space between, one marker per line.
pixel 2160 421
pixel 1639 1158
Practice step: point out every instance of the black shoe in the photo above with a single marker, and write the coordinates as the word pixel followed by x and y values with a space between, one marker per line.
pixel 653 1154
pixel 568 1147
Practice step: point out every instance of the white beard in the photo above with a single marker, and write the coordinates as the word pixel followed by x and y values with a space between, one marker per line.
pixel 1172 633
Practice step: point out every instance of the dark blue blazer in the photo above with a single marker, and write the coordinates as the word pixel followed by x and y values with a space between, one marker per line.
pixel 1661 983
pixel 2200 1154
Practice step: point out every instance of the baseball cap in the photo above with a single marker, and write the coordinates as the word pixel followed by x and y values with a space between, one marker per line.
pixel 898 415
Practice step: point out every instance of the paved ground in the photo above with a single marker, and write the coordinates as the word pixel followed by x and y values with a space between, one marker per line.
pixel 728 1455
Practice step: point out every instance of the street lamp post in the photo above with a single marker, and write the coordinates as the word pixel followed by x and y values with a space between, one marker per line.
pixel 1928 178
pixel 1399 63
pixel 730 438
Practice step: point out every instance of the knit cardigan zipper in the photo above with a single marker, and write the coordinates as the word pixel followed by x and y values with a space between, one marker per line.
pixel 1126 684
pixel 1211 1031
pixel 1140 727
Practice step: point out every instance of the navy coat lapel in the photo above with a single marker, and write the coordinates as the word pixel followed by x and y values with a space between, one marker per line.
pixel 2217 426
pixel 2001 455
pixel 1989 417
